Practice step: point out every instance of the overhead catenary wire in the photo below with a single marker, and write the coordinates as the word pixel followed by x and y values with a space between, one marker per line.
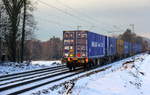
pixel 53 22
pixel 92 19
pixel 89 19
pixel 83 14
pixel 78 12
pixel 67 13
pixel 49 20
pixel 57 23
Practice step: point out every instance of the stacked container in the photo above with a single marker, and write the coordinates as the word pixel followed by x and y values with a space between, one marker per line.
pixel 120 47
pixel 126 47
pixel 96 45
pixel 83 44
pixel 111 46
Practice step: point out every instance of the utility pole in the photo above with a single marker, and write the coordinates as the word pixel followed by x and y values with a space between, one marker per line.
pixel 78 27
pixel 23 32
pixel 133 27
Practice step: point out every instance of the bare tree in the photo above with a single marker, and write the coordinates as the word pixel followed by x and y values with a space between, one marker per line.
pixel 18 31
pixel 23 31
pixel 28 26
pixel 129 36
pixel 13 8
pixel 4 23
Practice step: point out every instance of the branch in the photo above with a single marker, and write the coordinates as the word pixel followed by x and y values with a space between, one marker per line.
pixel 8 7
pixel 20 4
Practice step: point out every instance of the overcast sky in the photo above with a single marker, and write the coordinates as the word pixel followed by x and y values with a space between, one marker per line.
pixel 108 17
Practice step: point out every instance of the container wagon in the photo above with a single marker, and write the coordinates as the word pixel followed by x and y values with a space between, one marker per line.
pixel 111 49
pixel 127 48
pixel 83 48
pixel 138 48
pixel 134 48
pixel 120 48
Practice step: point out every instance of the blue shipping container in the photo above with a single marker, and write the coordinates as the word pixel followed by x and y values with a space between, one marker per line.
pixel 130 47
pixel 138 48
pixel 96 45
pixel 133 48
pixel 126 47
pixel 111 46
pixel 83 44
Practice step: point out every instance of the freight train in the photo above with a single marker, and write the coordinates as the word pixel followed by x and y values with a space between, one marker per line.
pixel 87 49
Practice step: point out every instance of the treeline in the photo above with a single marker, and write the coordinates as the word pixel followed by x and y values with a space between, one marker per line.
pixel 17 24
pixel 129 36
pixel 48 50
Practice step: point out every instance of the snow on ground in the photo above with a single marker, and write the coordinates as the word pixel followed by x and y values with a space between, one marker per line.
pixel 131 79
pixel 47 63
pixel 130 76
pixel 10 67
pixel 120 78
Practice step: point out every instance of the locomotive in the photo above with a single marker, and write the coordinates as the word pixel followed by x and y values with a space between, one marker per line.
pixel 87 49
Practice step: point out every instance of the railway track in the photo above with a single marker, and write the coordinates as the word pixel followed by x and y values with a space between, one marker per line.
pixel 18 85
pixel 47 82
pixel 5 77
pixel 13 84
pixel 26 81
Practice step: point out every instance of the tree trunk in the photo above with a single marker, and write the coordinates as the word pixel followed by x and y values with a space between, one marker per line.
pixel 23 32
pixel 12 39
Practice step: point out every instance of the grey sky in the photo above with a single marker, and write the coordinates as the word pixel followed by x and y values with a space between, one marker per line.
pixel 101 16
